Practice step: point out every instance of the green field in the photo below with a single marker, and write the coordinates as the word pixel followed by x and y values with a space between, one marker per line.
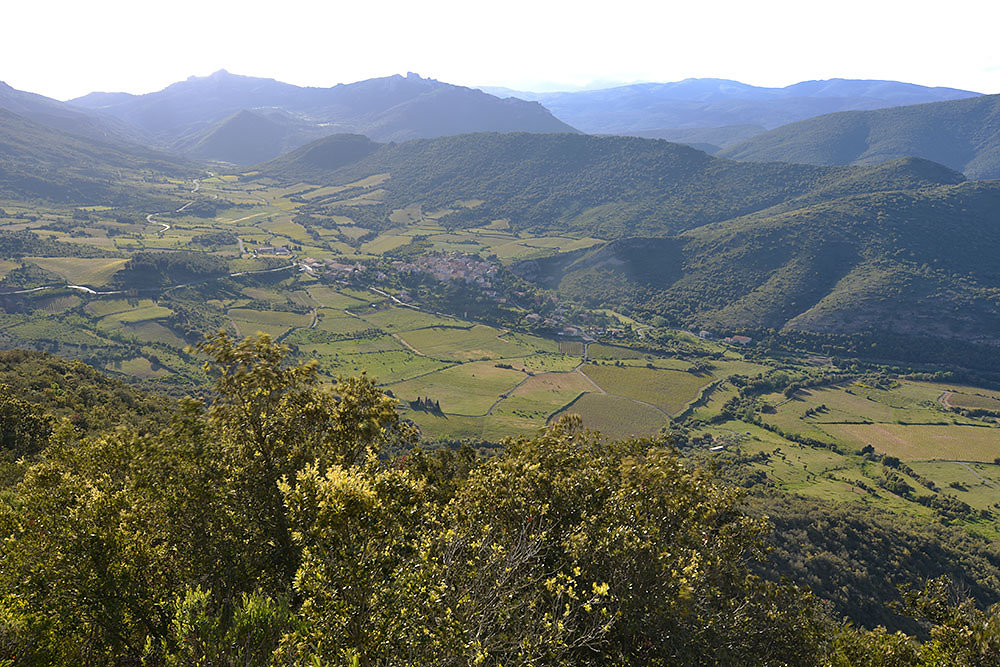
pixel 139 315
pixel 972 401
pixel 477 342
pixel 492 383
pixel 599 351
pixel 668 390
pixel 543 395
pixel 59 304
pixel 271 317
pixel 102 307
pixel 406 319
pixel 339 322
pixel 977 484
pixel 616 417
pixel 80 271
pixel 154 332
pixel 359 345
pixel 467 389
pixel 923 442
pixel 6 265
pixel 331 298
pixel 387 367
pixel 140 367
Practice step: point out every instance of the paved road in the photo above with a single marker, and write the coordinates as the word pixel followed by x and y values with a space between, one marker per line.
pixel 149 218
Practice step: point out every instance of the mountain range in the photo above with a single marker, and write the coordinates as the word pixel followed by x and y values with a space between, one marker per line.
pixel 719 112
pixel 62 116
pixel 245 120
pixel 205 115
pixel 702 240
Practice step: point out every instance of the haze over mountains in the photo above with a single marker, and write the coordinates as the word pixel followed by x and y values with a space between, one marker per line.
pixel 202 115
pixel 245 120
pixel 719 112
pixel 61 116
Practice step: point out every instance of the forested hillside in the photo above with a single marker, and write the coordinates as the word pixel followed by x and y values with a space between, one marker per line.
pixel 751 246
pixel 39 162
pixel 608 187
pixel 962 134
pixel 868 263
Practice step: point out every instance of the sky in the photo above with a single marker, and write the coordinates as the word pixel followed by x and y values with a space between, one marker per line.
pixel 64 49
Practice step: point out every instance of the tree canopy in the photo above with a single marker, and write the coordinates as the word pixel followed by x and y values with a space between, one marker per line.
pixel 269 526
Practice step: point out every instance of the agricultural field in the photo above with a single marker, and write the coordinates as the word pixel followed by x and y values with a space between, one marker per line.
pixel 407 319
pixel 461 344
pixel 386 368
pixel 80 271
pixel 615 416
pixel 331 298
pixel 465 389
pixel 923 442
pixel 980 400
pixel 668 390
pixel 539 397
pixel 909 420
pixel 154 332
pixel 340 323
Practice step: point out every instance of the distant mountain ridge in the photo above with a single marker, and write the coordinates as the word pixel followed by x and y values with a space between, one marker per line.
pixel 62 116
pixel 248 137
pixel 962 134
pixel 393 108
pixel 660 110
pixel 40 162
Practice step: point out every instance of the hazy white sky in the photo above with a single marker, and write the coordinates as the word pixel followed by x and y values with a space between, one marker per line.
pixel 67 48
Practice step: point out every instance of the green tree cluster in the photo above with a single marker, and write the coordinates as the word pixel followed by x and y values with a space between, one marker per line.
pixel 265 528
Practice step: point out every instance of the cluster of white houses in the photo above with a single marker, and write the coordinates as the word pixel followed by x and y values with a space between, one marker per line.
pixel 451 266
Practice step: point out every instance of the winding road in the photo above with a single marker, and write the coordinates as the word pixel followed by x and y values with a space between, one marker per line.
pixel 149 219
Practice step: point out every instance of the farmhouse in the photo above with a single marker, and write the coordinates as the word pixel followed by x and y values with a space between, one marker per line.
pixel 273 250
pixel 737 340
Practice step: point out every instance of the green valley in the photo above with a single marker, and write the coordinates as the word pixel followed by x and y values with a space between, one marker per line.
pixel 331 376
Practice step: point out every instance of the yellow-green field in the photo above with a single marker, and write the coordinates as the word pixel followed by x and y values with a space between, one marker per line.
pixel 477 342
pixel 465 389
pixel 923 442
pixel 80 271
pixel 668 390
pixel 616 417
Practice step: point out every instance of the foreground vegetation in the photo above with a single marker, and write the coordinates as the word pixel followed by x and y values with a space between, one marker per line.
pixel 274 526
